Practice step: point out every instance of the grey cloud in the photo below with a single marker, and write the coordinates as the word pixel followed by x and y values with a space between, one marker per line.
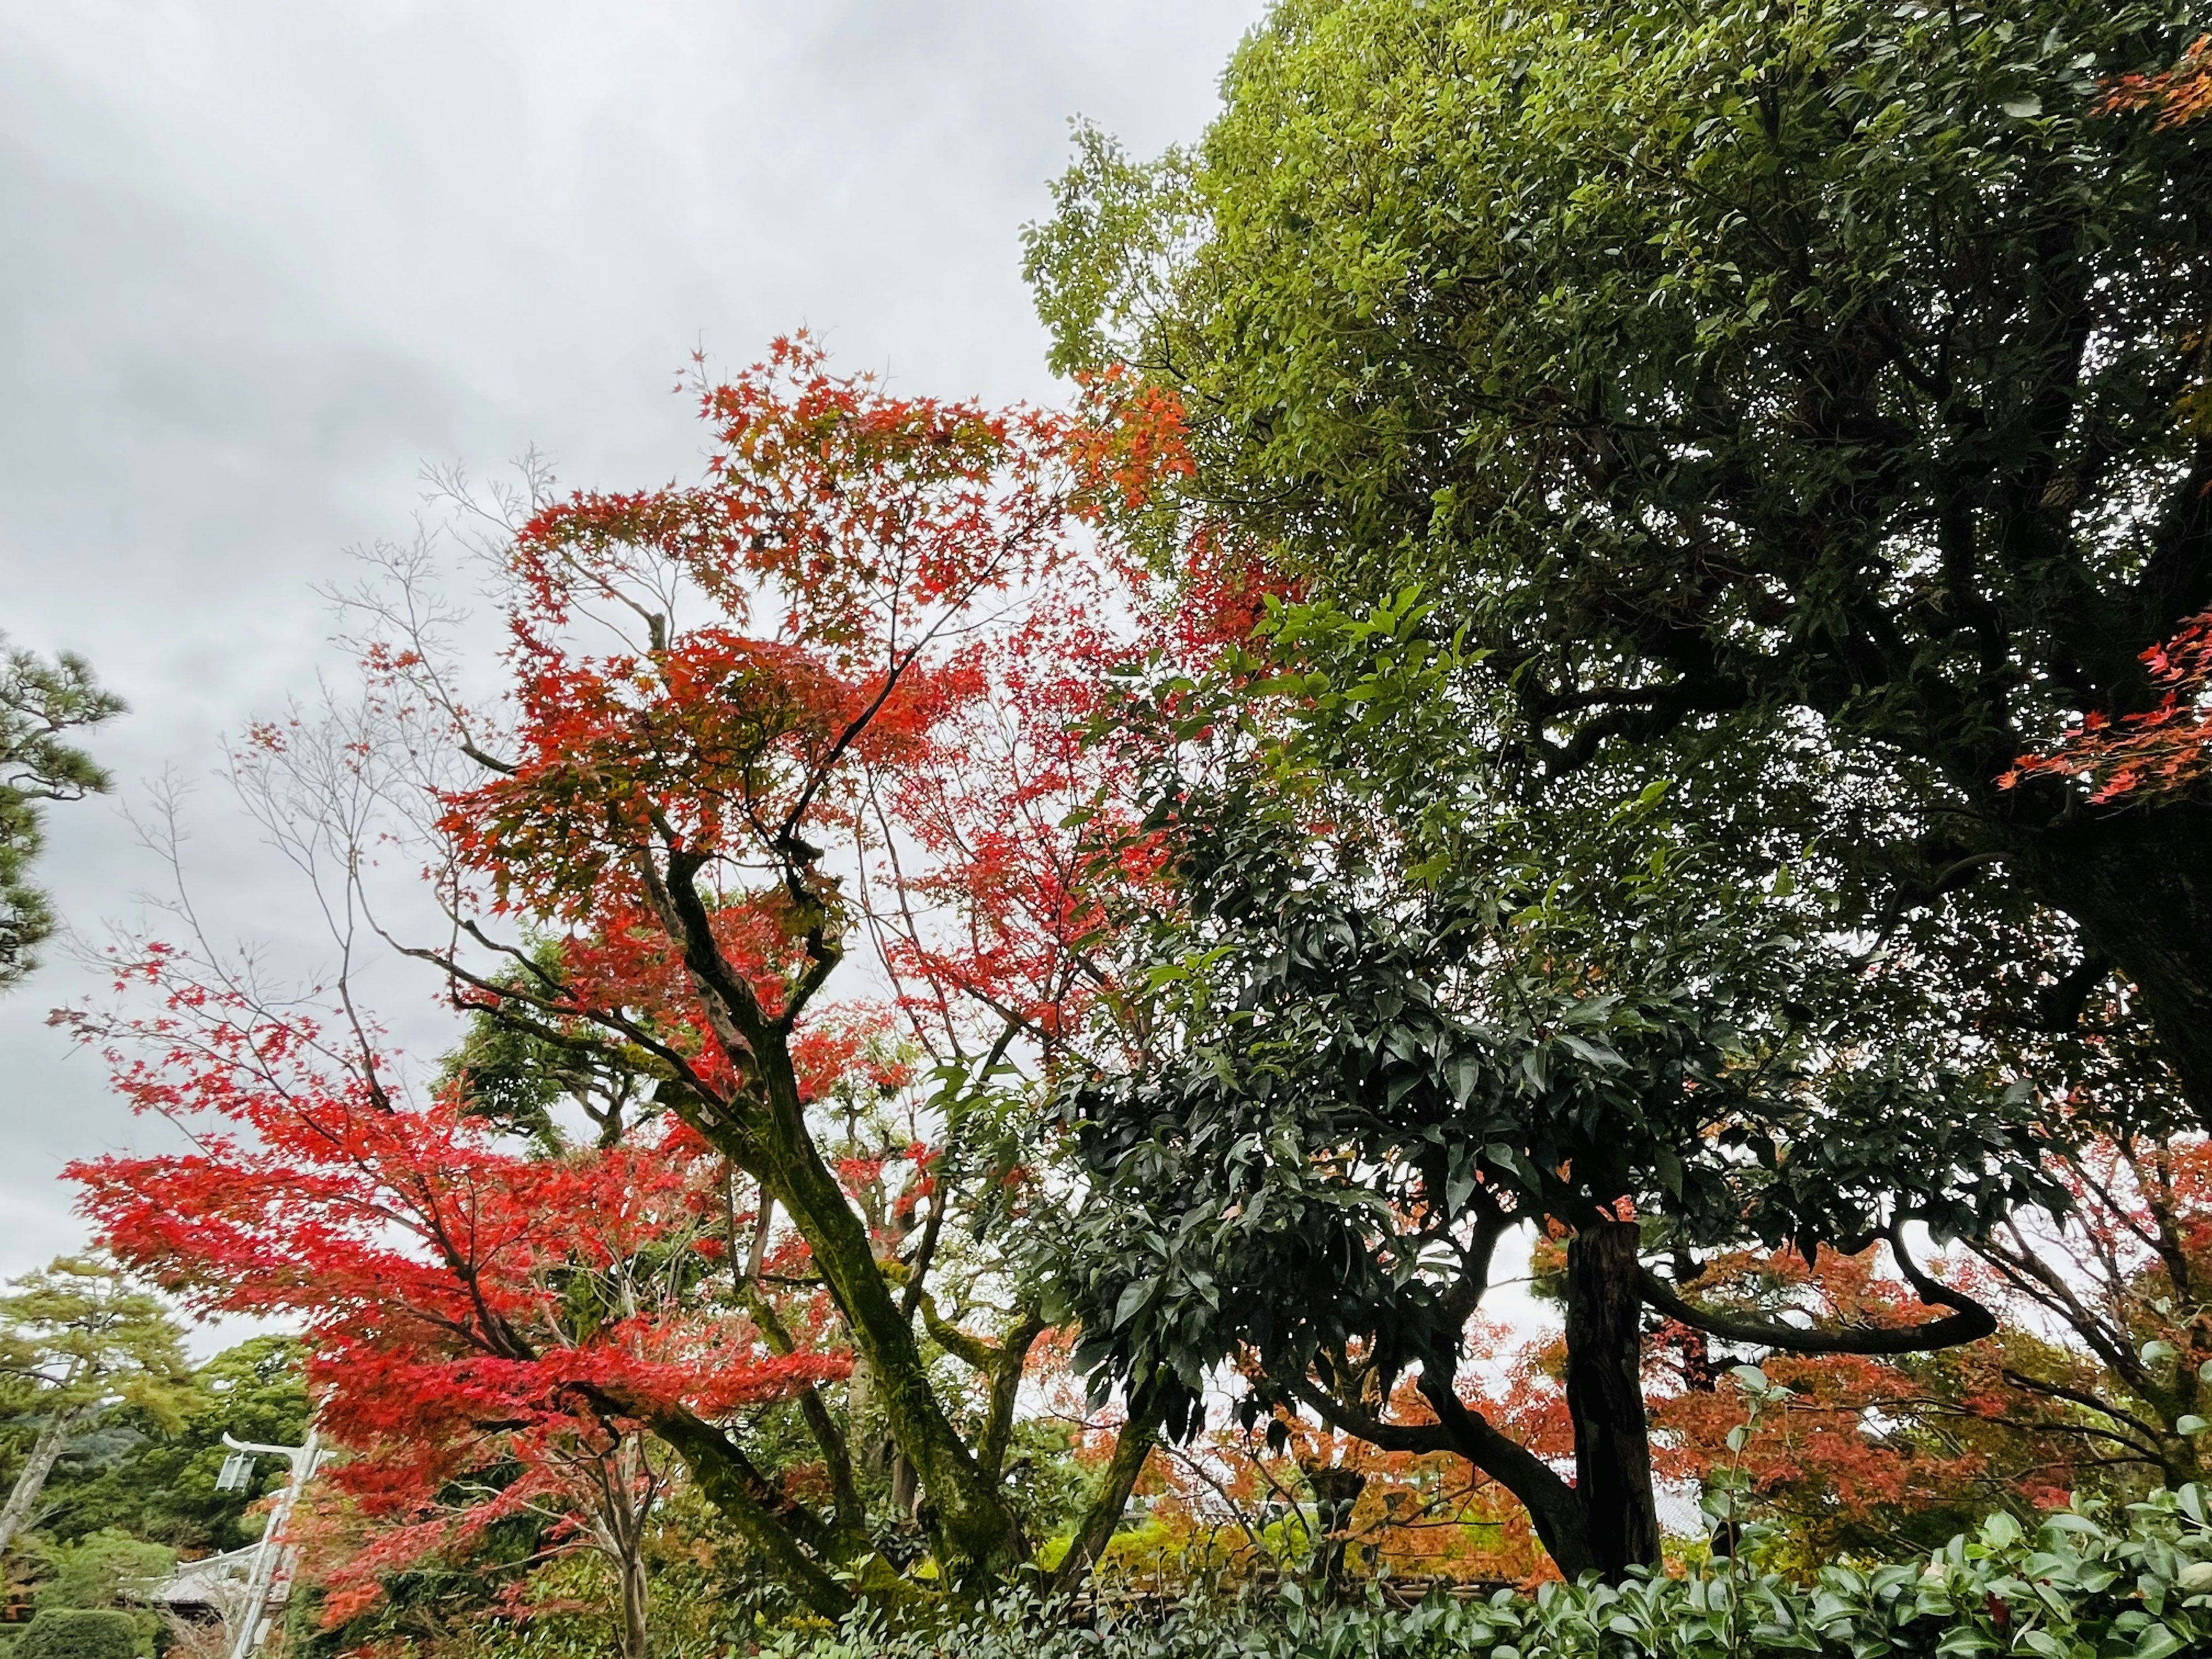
pixel 259 261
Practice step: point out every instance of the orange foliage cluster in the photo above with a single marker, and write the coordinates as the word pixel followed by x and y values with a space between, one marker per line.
pixel 2154 755
pixel 2180 94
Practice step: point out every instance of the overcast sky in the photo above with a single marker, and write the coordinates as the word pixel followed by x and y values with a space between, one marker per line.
pixel 260 262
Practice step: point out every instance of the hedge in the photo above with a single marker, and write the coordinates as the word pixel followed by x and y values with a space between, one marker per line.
pixel 78 1633
pixel 2080 1586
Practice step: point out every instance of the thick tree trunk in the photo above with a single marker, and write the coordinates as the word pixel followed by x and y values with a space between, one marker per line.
pixel 976 1533
pixel 24 1498
pixel 1605 1394
pixel 2139 881
pixel 784 1534
pixel 763 1131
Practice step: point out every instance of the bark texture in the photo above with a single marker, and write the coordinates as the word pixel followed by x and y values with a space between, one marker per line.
pixel 2139 881
pixel 23 1497
pixel 1605 1392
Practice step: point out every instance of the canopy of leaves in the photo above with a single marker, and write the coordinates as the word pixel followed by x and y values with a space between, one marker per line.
pixel 84 1334
pixel 1394 1024
pixel 1727 370
pixel 131 1473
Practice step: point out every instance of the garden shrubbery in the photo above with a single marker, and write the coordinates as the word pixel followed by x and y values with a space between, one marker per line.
pixel 2080 1586
pixel 79 1634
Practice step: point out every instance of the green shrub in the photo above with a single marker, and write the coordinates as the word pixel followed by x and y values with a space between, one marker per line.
pixel 2079 1587
pixel 79 1634
pixel 100 1570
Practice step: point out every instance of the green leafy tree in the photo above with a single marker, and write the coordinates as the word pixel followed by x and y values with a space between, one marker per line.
pixel 79 1634
pixel 40 703
pixel 102 1568
pixel 1753 377
pixel 84 1337
pixel 133 1473
pixel 1399 1015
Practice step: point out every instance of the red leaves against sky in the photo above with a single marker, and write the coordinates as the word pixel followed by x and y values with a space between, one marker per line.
pixel 1001 827
pixel 877 624
pixel 428 1264
pixel 841 540
pixel 465 1305
pixel 865 646
pixel 845 679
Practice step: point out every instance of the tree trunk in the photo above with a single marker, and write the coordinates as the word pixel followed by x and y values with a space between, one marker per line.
pixel 36 1467
pixel 2139 882
pixel 785 1535
pixel 1336 1492
pixel 764 1131
pixel 1095 1529
pixel 1605 1395
pixel 634 1590
pixel 976 1533
pixel 619 1531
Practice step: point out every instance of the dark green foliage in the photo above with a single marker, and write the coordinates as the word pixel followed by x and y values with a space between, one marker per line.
pixel 39 702
pixel 101 1569
pixel 520 1079
pixel 1831 373
pixel 1398 1008
pixel 2080 1585
pixel 127 1472
pixel 79 1634
pixel 1399 1015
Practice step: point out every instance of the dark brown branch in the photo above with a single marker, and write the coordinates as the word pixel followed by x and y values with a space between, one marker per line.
pixel 2075 1396
pixel 780 1529
pixel 1969 1323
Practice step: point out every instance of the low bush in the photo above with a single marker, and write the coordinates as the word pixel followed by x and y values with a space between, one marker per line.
pixel 79 1634
pixel 101 1569
pixel 2082 1586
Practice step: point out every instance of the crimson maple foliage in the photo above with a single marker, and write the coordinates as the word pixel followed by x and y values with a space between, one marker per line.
pixel 2152 754
pixel 827 696
pixel 469 1311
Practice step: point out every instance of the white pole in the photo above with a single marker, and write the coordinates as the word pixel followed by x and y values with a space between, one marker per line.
pixel 270 1552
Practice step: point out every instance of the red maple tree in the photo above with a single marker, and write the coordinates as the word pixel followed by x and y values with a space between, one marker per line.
pixel 828 694
pixel 2151 754
pixel 471 1312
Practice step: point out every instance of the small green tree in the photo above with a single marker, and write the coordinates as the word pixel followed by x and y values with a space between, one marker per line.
pixel 39 702
pixel 85 1337
pixel 100 1570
